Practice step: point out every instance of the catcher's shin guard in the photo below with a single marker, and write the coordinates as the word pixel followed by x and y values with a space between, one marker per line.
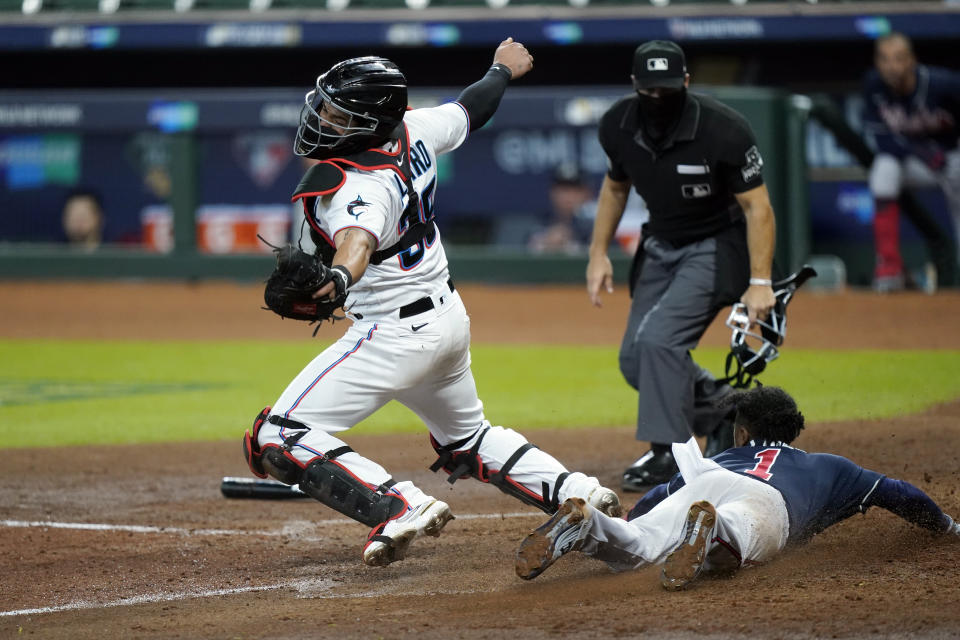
pixel 462 463
pixel 321 478
pixel 334 486
pixel 278 460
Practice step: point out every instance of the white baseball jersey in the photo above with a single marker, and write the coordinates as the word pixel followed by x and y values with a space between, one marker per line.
pixel 376 201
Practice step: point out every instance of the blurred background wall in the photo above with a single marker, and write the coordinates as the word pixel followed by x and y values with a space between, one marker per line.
pixel 176 118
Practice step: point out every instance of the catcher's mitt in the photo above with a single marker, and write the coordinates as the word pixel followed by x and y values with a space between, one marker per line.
pixel 290 288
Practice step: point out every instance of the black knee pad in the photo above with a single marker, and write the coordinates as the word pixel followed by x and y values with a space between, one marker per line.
pixel 281 464
pixel 272 459
pixel 326 481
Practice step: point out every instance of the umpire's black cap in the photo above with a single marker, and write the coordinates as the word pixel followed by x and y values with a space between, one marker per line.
pixel 659 63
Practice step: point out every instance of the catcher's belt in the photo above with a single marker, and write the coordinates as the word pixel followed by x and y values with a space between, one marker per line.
pixel 417 306
pixel 423 304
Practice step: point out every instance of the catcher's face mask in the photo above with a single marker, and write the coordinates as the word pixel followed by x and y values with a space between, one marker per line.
pixel 356 105
pixel 755 347
pixel 326 126
pixel 751 348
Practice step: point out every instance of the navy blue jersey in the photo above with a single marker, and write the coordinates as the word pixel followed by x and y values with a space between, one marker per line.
pixel 924 124
pixel 819 489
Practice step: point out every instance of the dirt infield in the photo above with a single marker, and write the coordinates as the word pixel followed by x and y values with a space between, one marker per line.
pixel 136 542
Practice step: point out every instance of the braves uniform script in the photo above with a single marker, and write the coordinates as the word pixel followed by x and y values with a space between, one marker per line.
pixel 372 210
pixel 925 123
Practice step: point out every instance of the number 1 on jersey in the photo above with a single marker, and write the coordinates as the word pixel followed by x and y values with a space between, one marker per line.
pixel 765 460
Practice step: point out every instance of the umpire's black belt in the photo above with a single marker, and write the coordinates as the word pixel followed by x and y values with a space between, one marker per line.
pixel 423 304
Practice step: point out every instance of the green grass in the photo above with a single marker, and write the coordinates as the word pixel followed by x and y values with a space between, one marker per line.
pixel 71 392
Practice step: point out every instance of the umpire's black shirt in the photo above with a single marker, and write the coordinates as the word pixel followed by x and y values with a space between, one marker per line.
pixel 688 181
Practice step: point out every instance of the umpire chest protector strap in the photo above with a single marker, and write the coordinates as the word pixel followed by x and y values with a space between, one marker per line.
pixel 327 176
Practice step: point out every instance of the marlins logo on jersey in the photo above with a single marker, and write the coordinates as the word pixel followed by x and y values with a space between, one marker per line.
pixel 357 207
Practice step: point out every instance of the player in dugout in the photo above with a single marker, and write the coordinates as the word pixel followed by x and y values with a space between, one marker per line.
pixel 739 508
pixel 912 114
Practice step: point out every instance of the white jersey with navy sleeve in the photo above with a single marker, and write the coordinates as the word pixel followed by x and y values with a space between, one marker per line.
pixel 376 202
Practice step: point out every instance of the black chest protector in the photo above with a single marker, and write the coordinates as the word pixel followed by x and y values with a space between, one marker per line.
pixel 327 176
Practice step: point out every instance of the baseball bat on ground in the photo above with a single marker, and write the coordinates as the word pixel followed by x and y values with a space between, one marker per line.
pixel 259 489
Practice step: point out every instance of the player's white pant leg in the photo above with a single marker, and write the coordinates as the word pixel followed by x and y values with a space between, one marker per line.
pixel 343 384
pixel 751 515
pixel 346 383
pixel 651 537
pixel 889 174
pixel 752 522
pixel 886 177
pixel 448 404
pixel 445 398
pixel 631 545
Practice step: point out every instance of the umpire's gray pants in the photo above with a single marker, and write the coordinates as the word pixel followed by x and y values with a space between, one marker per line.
pixel 673 304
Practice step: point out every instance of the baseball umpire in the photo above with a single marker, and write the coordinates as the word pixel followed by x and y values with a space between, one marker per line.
pixel 708 243
pixel 741 507
pixel 371 202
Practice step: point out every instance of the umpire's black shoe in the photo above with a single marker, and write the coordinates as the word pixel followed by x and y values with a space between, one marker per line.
pixel 655 467
pixel 722 437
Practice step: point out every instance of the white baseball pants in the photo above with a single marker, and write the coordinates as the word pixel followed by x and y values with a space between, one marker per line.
pixel 423 362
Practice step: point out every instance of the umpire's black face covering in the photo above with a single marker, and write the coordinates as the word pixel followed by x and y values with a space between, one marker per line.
pixel 660 114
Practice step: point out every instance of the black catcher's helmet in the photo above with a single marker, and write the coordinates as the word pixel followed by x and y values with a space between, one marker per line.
pixel 365 99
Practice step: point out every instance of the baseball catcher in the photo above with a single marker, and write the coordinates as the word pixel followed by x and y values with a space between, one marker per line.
pixel 739 508
pixel 371 201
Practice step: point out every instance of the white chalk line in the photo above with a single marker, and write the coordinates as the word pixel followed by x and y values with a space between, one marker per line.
pixel 185 531
pixel 144 599
pixel 307 588
pixel 310 588
pixel 300 585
